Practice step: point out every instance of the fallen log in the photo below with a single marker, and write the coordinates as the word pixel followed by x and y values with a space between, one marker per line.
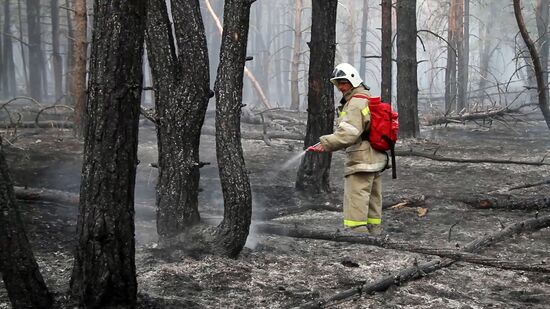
pixel 505 201
pixel 49 195
pixel 435 157
pixel 470 116
pixel 527 185
pixel 387 243
pixel 46 124
pixel 421 270
pixel 257 135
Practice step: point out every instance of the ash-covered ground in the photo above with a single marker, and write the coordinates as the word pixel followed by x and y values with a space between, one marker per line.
pixel 280 272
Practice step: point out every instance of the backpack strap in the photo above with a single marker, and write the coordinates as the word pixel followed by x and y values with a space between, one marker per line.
pixel 365 111
pixel 360 96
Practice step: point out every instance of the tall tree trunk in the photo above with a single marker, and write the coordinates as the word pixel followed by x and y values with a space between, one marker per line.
pixel 22 278
pixel 542 27
pixel 80 47
pixel 2 65
pixel 247 72
pixel 539 73
pixel 233 230
pixel 450 72
pixel 178 97
pixel 463 55
pixel 314 172
pixel 387 50
pixel 22 46
pixel 104 273
pixel 69 56
pixel 56 57
pixel 36 60
pixel 8 65
pixel 407 88
pixel 364 27
pixel 296 55
pixel 486 44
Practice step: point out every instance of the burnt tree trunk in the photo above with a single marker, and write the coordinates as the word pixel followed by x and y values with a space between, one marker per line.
pixel 407 88
pixel 22 46
pixel 56 56
pixel 314 172
pixel 542 29
pixel 2 65
pixel 36 60
pixel 386 50
pixel 233 230
pixel 296 55
pixel 78 73
pixel 181 81
pixel 7 63
pixel 539 73
pixel 450 71
pixel 22 278
pixel 69 56
pixel 463 55
pixel 486 44
pixel 104 273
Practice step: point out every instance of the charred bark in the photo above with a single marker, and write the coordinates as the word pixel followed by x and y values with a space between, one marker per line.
pixel 296 55
pixel 463 55
pixel 56 56
pixel 104 273
pixel 7 64
pixel 181 97
pixel 452 50
pixel 542 16
pixel 22 278
pixel 23 53
pixel 541 86
pixel 486 47
pixel 69 57
pixel 314 171
pixel 386 51
pixel 36 58
pixel 234 228
pixel 407 87
pixel 78 73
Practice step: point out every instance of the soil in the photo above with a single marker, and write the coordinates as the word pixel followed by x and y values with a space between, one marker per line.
pixel 281 272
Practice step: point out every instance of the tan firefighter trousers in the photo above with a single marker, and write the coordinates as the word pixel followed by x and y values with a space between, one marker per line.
pixel 362 199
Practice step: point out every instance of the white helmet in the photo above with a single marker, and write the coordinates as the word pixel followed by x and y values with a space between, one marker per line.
pixel 346 71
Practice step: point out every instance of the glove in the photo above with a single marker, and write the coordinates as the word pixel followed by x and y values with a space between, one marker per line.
pixel 316 148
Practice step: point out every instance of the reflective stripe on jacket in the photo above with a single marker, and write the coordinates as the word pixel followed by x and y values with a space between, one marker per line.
pixel 354 118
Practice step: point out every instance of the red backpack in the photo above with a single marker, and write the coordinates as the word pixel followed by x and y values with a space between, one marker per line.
pixel 384 127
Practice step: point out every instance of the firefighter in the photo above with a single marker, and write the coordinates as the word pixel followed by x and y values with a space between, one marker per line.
pixel 362 182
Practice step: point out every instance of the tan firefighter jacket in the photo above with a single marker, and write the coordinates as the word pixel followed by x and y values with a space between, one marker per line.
pixel 353 119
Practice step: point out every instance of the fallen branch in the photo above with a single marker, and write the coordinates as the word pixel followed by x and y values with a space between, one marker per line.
pixel 207 130
pixel 503 201
pixel 51 124
pixel 35 194
pixel 50 107
pixel 470 116
pixel 528 185
pixel 435 157
pixel 421 270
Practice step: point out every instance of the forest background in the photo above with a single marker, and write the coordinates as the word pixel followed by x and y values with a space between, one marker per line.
pixel 106 70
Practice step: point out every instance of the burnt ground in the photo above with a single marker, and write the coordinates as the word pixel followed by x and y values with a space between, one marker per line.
pixel 281 272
